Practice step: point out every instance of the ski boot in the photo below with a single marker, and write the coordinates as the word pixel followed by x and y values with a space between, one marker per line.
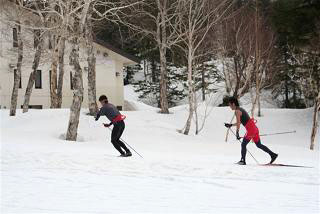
pixel 242 162
pixel 273 157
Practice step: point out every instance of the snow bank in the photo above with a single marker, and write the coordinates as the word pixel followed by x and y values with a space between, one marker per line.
pixel 42 173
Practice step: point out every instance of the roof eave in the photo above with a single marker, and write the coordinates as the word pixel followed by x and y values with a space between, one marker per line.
pixel 132 60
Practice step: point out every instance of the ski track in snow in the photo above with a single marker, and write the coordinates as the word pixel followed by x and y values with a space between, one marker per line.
pixel 172 186
pixel 179 174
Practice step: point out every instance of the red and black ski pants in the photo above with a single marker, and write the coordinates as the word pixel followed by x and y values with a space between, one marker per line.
pixel 252 134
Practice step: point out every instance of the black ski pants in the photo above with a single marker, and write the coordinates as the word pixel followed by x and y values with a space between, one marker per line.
pixel 117 131
pixel 258 144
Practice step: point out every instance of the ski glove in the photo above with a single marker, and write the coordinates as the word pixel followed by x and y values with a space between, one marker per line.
pixel 107 125
pixel 237 135
pixel 228 125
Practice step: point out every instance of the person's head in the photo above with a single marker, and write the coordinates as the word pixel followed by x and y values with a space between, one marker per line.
pixel 233 103
pixel 103 99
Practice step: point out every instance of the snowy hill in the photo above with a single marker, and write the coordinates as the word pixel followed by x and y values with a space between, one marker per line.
pixel 41 173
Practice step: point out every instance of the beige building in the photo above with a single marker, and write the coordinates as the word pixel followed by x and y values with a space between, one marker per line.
pixel 109 70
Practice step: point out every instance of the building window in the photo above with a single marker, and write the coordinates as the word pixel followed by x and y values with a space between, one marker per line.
pixel 15 37
pixel 15 73
pixel 34 106
pixel 71 81
pixel 36 38
pixel 38 80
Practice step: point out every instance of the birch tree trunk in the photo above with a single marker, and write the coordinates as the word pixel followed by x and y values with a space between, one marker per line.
pixel 53 76
pixel 259 105
pixel 191 93
pixel 163 82
pixel 61 72
pixel 17 73
pixel 93 107
pixel 315 123
pixel 196 111
pixel 35 66
pixel 75 108
pixel 256 59
pixel 162 42
pixel 256 96
pixel 77 93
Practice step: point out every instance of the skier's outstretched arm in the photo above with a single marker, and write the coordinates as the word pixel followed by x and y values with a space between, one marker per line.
pixel 98 115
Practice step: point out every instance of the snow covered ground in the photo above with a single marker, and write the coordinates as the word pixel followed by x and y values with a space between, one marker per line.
pixel 41 173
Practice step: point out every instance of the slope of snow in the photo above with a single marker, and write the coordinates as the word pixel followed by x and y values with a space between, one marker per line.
pixel 42 173
pixel 132 98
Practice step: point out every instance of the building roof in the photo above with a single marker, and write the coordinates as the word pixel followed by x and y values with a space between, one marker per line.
pixel 117 50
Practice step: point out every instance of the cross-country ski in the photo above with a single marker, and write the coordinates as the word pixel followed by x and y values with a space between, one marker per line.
pixel 286 165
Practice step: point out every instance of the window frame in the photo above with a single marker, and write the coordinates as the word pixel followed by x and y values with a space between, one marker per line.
pixel 15 37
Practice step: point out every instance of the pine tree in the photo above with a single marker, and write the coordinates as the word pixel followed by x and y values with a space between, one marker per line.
pixel 206 76
pixel 149 89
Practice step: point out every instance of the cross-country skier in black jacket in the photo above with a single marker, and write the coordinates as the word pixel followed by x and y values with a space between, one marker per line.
pixel 112 113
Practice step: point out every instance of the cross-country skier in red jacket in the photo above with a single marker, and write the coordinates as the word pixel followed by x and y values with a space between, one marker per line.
pixel 112 113
pixel 252 131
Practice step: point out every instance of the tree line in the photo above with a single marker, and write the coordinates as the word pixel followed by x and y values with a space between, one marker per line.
pixel 257 45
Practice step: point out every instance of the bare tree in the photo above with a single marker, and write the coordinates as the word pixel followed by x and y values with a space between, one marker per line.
pixel 33 20
pixel 61 70
pixel 54 75
pixel 263 40
pixel 17 72
pixel 35 65
pixel 80 13
pixel 39 37
pixel 79 23
pixel 99 10
pixel 13 17
pixel 204 78
pixel 314 82
pixel 235 49
pixel 315 123
pixel 93 107
pixel 308 61
pixel 197 17
pixel 157 19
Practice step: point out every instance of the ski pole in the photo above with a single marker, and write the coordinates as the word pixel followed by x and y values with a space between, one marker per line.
pixel 279 133
pixel 247 149
pixel 128 145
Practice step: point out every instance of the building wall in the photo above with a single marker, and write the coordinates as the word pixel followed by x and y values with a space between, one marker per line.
pixel 109 76
pixel 107 82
